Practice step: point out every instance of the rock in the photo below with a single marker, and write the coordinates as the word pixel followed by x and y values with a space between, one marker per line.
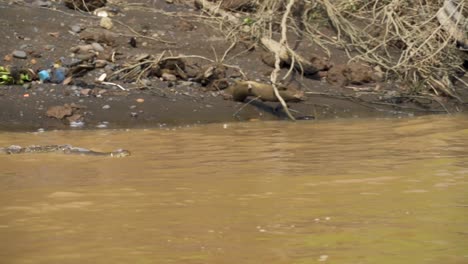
pixel 49 47
pixel 76 28
pixel 7 58
pixel 168 77
pixel 106 23
pixel 357 73
pixel 59 111
pixel 97 46
pixel 84 49
pixel 85 91
pixel 74 118
pixel 19 54
pixel 98 35
pixel 106 107
pixel 100 63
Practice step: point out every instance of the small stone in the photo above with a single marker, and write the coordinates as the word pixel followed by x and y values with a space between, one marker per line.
pixel 169 77
pixel 140 100
pixel 134 114
pixel 85 91
pixel 49 47
pixel 7 58
pixel 106 107
pixel 100 63
pixel 19 54
pixel 76 28
pixel 97 46
pixel 106 23
pixel 59 112
pixel 170 1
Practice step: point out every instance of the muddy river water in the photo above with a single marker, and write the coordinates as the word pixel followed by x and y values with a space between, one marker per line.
pixel 341 191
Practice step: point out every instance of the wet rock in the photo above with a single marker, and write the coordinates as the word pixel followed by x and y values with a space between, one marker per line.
pixel 77 124
pixel 19 54
pixel 59 112
pixel 74 118
pixel 106 23
pixel 105 107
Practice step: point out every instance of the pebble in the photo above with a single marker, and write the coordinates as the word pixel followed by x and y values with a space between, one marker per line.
pixel 49 47
pixel 169 77
pixel 76 28
pixel 134 114
pixel 85 91
pixel 106 107
pixel 106 23
pixel 97 46
pixel 19 54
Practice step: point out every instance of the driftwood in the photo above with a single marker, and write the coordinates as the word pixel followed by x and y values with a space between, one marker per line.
pixel 453 22
pixel 265 92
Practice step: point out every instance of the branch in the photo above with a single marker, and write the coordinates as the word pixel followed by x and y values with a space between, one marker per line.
pixel 283 43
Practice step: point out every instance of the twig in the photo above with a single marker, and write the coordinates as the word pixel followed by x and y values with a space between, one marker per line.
pixel 250 101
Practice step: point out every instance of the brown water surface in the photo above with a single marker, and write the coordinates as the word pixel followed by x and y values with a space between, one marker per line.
pixel 346 191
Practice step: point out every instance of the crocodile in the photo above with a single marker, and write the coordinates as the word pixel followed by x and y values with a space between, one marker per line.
pixel 63 149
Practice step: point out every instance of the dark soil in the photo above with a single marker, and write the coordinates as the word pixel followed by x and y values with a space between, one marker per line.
pixel 47 37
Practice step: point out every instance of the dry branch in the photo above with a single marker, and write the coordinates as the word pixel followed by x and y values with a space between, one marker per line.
pixel 288 56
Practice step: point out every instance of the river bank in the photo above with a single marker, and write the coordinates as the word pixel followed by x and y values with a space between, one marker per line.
pixel 51 36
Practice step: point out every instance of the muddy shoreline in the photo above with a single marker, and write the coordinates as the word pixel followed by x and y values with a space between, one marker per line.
pixel 45 35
